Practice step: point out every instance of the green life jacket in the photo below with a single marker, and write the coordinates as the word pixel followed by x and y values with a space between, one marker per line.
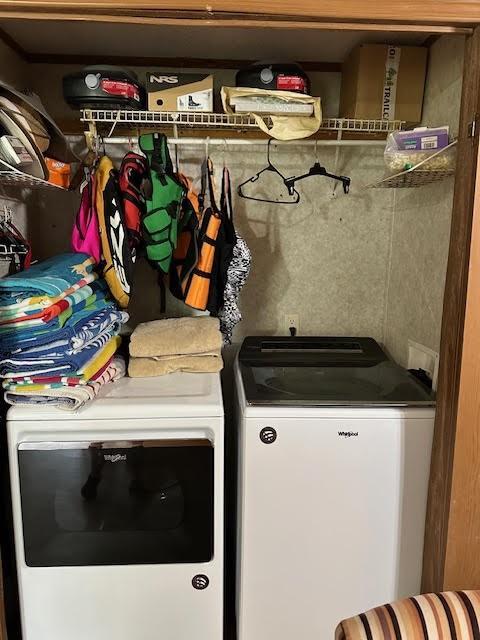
pixel 160 224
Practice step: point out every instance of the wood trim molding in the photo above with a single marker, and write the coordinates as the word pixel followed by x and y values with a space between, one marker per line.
pixel 462 558
pixel 155 62
pixel 182 18
pixel 427 11
pixel 13 44
pixel 452 535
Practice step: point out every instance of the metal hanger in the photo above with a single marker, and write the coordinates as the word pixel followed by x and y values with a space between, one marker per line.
pixel 317 170
pixel 271 168
pixel 13 246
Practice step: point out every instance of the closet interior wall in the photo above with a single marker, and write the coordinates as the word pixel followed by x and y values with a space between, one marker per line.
pixel 343 264
pixel 421 221
pixel 325 259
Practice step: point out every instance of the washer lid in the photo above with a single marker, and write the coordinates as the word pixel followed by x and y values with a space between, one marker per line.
pixel 323 372
pixel 178 395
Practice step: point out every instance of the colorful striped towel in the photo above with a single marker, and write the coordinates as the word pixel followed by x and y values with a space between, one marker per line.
pixel 51 277
pixel 85 363
pixel 37 303
pixel 13 335
pixel 95 333
pixel 49 382
pixel 43 334
pixel 73 302
pixel 69 398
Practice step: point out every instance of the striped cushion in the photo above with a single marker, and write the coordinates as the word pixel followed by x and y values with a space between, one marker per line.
pixel 453 615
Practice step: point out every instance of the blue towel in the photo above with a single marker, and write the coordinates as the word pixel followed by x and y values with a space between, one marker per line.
pixel 48 278
pixel 95 331
pixel 51 364
pixel 98 290
pixel 35 336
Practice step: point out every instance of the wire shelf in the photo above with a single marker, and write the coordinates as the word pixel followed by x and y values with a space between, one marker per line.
pixel 223 121
pixel 15 178
pixel 418 176
pixel 415 178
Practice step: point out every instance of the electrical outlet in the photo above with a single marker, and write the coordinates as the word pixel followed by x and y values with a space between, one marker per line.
pixel 291 320
pixel 421 357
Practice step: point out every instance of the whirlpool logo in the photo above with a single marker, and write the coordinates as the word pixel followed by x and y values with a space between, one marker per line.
pixel 115 457
pixel 348 434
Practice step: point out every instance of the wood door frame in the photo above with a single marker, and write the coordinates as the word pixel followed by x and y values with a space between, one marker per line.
pixel 428 11
pixel 432 16
pixel 452 535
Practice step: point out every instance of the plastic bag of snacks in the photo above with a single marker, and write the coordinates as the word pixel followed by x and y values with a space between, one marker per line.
pixel 406 149
pixel 58 172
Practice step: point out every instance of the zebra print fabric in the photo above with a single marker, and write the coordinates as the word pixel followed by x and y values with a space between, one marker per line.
pixel 237 275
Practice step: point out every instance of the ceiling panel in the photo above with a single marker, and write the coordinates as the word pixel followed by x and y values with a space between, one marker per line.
pixel 90 38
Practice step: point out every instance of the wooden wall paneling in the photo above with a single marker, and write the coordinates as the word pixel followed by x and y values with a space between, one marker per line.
pixel 458 384
pixel 156 62
pixel 430 11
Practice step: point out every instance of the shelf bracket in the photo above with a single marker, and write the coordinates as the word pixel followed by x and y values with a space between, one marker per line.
pixel 337 158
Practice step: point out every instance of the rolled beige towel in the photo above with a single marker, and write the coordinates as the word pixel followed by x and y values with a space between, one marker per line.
pixel 176 337
pixel 149 367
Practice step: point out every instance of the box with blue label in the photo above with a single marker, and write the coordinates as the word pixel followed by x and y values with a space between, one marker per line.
pixel 422 139
pixel 424 147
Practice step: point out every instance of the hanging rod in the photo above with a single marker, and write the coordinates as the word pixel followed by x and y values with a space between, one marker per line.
pixel 222 142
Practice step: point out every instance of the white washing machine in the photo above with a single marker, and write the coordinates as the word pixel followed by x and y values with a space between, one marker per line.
pixel 118 513
pixel 334 458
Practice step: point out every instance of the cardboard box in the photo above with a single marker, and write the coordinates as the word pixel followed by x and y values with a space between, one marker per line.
pixel 179 91
pixel 384 82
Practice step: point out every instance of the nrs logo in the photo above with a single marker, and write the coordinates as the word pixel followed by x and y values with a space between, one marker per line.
pixel 162 79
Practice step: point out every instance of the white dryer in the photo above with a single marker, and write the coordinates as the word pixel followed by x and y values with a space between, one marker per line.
pixel 334 458
pixel 118 513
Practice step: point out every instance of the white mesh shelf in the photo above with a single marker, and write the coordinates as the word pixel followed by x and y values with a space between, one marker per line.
pixel 415 178
pixel 418 176
pixel 222 121
pixel 14 178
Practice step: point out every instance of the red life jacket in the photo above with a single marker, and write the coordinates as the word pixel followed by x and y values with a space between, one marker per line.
pixel 133 173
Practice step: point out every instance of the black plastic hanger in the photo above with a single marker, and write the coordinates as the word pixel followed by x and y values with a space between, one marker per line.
pixel 270 167
pixel 317 170
pixel 13 246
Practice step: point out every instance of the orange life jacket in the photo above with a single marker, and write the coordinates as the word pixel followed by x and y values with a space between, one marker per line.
pixel 196 289
pixel 185 255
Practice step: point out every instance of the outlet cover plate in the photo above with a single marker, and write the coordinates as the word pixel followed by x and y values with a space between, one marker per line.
pixel 291 320
pixel 421 357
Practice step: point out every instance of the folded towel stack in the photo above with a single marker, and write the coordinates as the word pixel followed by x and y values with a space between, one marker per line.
pixel 177 344
pixel 58 333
